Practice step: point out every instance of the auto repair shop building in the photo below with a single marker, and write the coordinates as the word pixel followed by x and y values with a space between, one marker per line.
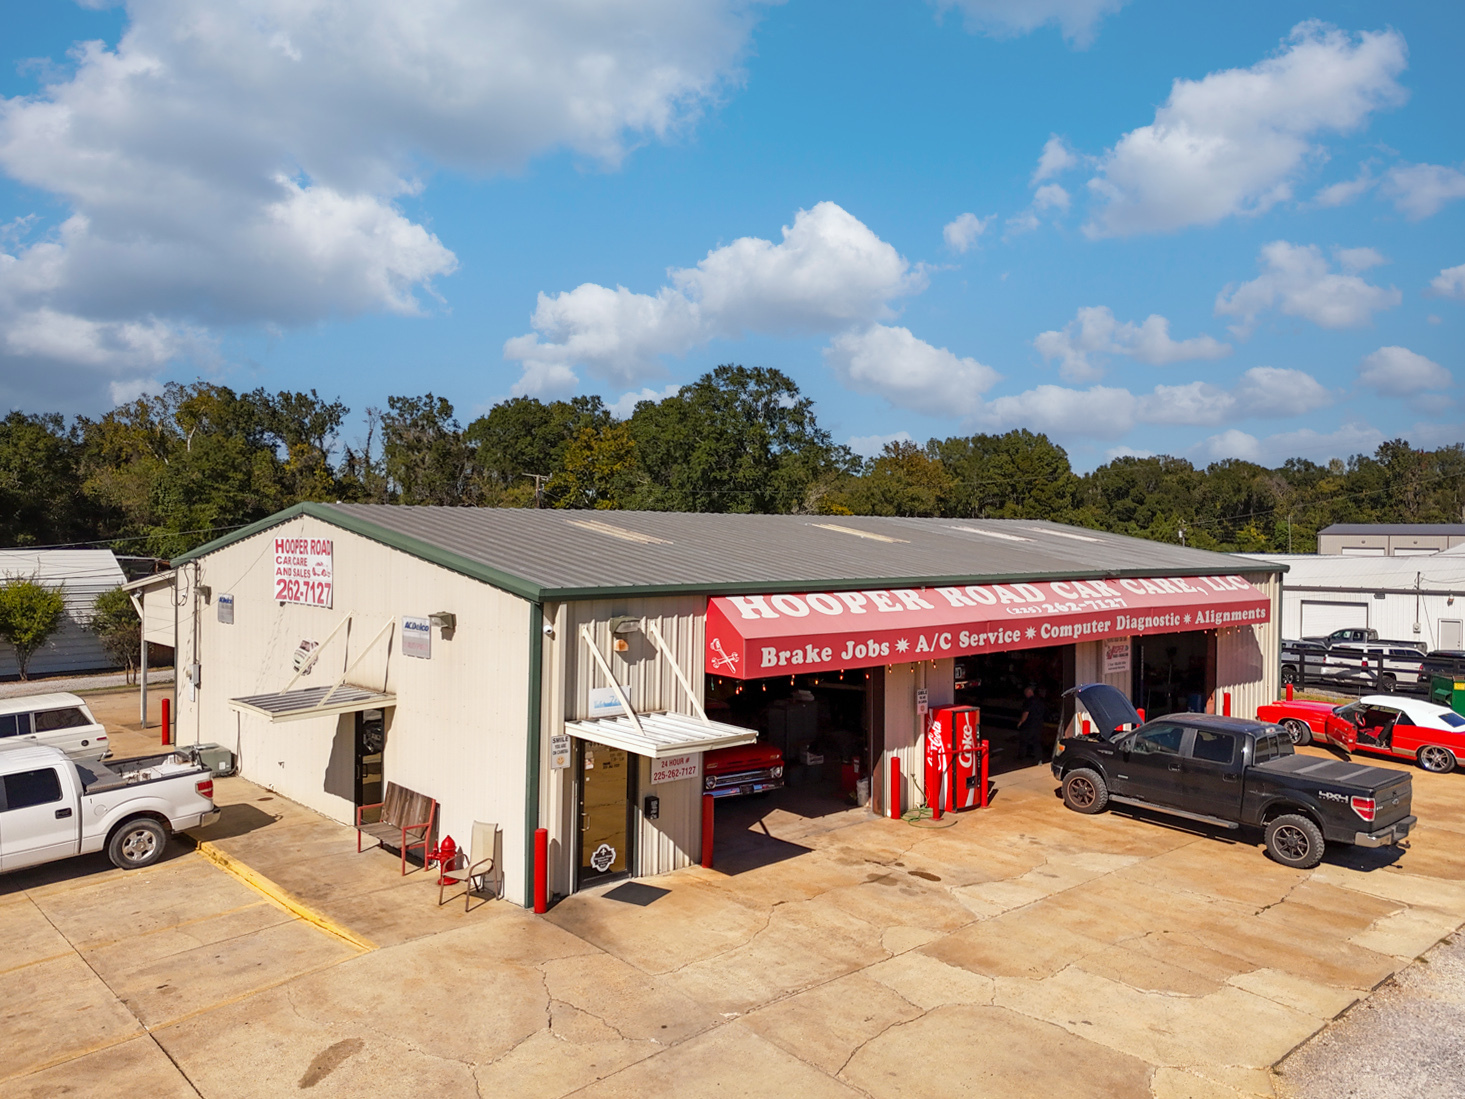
pixel 487 658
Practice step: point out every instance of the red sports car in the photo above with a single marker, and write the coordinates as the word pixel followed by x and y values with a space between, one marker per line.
pixel 1408 728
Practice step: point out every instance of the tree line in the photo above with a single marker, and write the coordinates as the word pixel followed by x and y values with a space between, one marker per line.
pixel 165 472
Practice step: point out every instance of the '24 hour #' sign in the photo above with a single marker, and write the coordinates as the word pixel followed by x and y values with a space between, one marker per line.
pixel 303 571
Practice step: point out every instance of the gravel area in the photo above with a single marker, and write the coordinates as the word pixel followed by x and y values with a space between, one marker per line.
pixel 1406 1041
pixel 77 684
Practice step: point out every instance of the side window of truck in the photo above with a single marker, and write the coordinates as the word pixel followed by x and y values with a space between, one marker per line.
pixel 1272 745
pixel 15 725
pixel 1213 747
pixel 1162 739
pixel 27 788
pixel 70 718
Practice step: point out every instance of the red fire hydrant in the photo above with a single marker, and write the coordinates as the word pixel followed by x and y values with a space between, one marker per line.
pixel 444 854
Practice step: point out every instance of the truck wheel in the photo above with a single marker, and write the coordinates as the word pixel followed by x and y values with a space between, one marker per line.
pixel 1434 758
pixel 1295 841
pixel 1084 791
pixel 1388 684
pixel 1298 731
pixel 1289 674
pixel 137 844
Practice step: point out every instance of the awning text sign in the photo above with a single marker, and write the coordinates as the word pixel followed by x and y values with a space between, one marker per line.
pixel 749 636
pixel 303 571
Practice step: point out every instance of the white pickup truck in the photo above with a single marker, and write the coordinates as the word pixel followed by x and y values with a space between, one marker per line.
pixel 53 807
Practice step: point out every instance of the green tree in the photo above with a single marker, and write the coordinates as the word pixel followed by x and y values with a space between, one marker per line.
pixel 39 501
pixel 523 437
pixel 114 620
pixel 425 457
pixel 903 479
pixel 30 612
pixel 1016 475
pixel 599 470
pixel 740 439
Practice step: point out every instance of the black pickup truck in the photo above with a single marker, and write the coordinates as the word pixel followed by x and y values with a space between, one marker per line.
pixel 1230 772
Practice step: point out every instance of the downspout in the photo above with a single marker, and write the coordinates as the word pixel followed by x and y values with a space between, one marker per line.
pixel 532 742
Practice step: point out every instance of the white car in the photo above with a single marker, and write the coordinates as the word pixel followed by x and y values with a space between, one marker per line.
pixel 59 720
pixel 1408 727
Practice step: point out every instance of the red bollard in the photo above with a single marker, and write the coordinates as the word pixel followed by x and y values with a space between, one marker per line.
pixel 1085 726
pixel 541 870
pixel 1141 712
pixel 708 802
pixel 167 728
pixel 1289 692
pixel 1226 704
pixel 982 797
pixel 894 787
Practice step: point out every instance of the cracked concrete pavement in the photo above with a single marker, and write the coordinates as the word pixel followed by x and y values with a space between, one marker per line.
pixel 1021 950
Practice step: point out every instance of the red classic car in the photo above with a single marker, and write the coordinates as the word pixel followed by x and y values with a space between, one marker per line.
pixel 1408 728
pixel 746 769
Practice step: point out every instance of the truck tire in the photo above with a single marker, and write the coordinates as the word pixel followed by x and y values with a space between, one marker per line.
pixel 1388 684
pixel 138 843
pixel 1084 791
pixel 1295 841
pixel 1289 674
pixel 1434 758
pixel 1298 730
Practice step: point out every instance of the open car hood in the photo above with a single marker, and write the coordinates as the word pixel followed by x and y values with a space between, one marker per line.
pixel 1107 706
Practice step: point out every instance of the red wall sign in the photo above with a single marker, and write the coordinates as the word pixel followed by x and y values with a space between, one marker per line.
pixel 749 636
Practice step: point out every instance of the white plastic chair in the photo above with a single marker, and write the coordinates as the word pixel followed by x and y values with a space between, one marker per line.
pixel 480 863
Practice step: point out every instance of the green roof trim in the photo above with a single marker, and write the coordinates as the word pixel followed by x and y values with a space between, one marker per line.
pixel 535 593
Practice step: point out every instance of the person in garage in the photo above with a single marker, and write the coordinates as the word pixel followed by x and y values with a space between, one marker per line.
pixel 1030 724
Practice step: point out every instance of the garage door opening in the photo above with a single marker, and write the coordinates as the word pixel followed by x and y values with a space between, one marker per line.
pixel 1172 673
pixel 997 683
pixel 814 730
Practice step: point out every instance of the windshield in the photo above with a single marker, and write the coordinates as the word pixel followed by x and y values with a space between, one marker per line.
pixel 1350 711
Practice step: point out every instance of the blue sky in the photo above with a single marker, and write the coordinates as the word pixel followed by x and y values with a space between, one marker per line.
pixel 1263 260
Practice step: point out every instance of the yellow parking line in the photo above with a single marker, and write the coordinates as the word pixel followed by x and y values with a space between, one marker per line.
pixel 294 905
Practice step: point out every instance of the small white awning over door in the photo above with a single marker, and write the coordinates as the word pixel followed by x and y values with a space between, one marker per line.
pixel 312 702
pixel 661 735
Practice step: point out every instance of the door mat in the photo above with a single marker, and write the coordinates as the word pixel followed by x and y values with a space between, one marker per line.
pixel 633 892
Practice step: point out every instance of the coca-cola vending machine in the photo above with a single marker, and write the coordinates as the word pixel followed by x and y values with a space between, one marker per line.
pixel 956 760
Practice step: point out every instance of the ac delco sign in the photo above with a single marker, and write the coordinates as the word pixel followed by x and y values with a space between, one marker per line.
pixel 756 635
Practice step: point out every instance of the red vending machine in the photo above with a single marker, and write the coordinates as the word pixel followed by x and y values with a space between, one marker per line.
pixel 956 760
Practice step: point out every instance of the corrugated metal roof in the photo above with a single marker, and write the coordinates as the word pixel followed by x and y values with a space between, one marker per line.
pixel 83 575
pixel 578 554
pixel 1395 528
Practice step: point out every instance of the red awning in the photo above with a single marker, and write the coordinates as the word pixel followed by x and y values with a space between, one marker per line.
pixel 749 636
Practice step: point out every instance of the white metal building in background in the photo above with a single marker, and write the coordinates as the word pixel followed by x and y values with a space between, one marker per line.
pixel 1389 539
pixel 1404 598
pixel 488 658
pixel 82 575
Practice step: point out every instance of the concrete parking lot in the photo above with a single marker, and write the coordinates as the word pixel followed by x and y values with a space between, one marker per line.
pixel 1015 951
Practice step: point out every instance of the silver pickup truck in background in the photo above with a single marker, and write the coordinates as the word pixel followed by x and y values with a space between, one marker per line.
pixel 53 807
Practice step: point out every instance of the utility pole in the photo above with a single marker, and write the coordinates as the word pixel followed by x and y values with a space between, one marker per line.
pixel 539 479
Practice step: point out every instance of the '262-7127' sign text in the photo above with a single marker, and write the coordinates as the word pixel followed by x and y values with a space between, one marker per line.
pixel 303 571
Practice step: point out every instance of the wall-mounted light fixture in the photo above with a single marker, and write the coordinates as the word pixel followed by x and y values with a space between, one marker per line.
pixel 205 592
pixel 446 622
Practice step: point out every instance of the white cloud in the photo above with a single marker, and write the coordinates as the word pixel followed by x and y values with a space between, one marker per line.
pixel 964 230
pixel 1077 19
pixel 241 162
pixel 1055 159
pixel 1265 392
pixel 1234 142
pixel 622 407
pixel 829 274
pixel 1095 331
pixel 1055 410
pixel 1397 371
pixel 1354 260
pixel 1420 190
pixel 1353 438
pixel 1051 196
pixel 1346 191
pixel 1449 283
pixel 868 446
pixel 1297 280
pixel 1127 452
pixel 909 372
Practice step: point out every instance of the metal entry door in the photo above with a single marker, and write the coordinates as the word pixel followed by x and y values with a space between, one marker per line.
pixel 605 775
pixel 371 739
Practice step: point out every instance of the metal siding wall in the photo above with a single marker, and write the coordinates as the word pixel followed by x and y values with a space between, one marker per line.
pixel 1088 667
pixel 1392 616
pixel 457 731
pixel 674 839
pixel 1248 658
pixel 83 575
pixel 904 735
